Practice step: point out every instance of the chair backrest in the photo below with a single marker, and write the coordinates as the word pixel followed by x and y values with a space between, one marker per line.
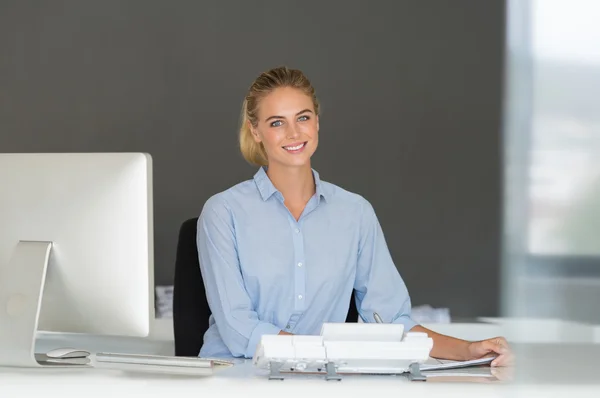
pixel 190 306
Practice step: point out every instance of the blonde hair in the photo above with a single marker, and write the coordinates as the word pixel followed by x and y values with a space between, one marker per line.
pixel 254 152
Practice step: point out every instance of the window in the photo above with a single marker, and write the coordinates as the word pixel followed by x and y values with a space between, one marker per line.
pixel 564 185
pixel 551 264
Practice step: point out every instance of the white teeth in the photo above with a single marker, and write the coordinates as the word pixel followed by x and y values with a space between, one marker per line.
pixel 294 148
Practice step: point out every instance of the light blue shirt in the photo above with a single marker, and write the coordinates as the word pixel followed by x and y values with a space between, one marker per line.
pixel 265 272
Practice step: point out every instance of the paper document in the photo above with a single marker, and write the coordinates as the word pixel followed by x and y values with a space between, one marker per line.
pixel 437 364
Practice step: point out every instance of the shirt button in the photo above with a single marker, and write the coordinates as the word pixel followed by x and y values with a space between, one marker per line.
pixel 299 264
pixel 287 326
pixel 299 297
pixel 297 231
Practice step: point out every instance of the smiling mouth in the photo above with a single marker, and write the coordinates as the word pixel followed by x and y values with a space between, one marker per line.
pixel 295 148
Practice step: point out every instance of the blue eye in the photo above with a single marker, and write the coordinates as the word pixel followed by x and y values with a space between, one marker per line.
pixel 303 118
pixel 276 123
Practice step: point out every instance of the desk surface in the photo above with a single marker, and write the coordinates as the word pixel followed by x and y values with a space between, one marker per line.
pixel 565 370
pixel 557 369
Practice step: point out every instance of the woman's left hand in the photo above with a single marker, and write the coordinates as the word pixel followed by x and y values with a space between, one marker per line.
pixel 492 347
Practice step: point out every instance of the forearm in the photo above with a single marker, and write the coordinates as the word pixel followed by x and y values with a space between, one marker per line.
pixel 446 347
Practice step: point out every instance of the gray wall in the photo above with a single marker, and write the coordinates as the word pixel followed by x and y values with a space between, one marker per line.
pixel 411 94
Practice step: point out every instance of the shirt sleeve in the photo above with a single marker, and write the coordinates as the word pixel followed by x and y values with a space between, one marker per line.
pixel 378 285
pixel 230 304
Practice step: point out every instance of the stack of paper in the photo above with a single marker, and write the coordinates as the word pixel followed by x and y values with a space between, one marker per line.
pixel 427 314
pixel 164 301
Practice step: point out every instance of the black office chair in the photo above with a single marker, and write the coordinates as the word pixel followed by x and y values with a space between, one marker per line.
pixel 190 307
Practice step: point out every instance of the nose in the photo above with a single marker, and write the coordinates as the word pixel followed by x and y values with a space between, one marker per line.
pixel 293 131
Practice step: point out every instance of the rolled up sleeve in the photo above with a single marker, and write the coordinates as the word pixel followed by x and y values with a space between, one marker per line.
pixel 379 287
pixel 237 322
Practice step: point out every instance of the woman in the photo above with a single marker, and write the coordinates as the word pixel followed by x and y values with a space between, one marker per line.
pixel 282 253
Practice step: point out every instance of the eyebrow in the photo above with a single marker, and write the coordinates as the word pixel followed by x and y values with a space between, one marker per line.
pixel 281 117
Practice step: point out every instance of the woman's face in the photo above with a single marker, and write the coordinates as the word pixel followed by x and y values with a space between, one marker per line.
pixel 287 127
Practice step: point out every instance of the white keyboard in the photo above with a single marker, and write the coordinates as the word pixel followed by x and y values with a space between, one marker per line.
pixel 158 363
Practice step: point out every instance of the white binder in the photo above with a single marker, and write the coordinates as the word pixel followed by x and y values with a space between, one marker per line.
pixel 373 348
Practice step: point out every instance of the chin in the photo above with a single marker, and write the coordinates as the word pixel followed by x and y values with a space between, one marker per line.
pixel 296 164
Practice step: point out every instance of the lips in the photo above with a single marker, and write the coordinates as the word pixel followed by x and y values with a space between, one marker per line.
pixel 296 147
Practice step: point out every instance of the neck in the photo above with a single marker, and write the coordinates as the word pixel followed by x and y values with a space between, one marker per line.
pixel 296 184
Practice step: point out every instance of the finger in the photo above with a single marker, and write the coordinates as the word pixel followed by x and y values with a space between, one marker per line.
pixel 501 341
pixel 503 360
pixel 497 362
pixel 493 347
pixel 500 361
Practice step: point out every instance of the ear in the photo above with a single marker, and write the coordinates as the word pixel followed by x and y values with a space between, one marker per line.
pixel 317 123
pixel 254 132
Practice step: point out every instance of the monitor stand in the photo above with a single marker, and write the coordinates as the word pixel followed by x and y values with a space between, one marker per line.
pixel 21 290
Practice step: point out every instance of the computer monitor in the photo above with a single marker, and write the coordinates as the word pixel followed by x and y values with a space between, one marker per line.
pixel 76 248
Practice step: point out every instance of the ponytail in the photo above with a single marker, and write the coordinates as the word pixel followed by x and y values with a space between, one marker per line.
pixel 252 151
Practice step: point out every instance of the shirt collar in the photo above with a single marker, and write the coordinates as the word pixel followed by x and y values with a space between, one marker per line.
pixel 267 189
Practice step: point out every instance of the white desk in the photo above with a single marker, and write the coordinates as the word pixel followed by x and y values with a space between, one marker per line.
pixel 543 330
pixel 232 382
pixel 543 370
pixel 543 377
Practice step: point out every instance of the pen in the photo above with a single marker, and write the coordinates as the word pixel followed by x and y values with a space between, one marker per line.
pixel 377 318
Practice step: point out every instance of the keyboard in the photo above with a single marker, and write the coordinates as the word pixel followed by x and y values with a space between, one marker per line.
pixel 159 363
